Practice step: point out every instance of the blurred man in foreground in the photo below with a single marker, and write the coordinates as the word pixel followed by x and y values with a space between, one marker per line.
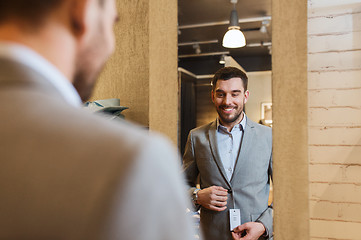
pixel 65 173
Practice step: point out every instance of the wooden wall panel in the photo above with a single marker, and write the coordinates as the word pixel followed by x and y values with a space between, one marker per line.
pixel 143 70
pixel 290 118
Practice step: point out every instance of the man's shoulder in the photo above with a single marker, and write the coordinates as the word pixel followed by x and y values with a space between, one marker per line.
pixel 203 129
pixel 103 135
pixel 122 130
pixel 258 126
pixel 263 133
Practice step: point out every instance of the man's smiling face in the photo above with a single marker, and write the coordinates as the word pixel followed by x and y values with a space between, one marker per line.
pixel 229 98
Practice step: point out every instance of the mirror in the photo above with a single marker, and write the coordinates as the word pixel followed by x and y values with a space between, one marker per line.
pixel 201 27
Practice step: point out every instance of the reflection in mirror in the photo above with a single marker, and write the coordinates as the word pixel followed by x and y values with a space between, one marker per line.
pixel 201 27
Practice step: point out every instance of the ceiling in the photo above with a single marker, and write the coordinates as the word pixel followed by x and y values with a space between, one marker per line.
pixel 204 22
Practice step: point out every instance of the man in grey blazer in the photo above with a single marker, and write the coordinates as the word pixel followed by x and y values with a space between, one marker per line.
pixel 232 156
pixel 65 173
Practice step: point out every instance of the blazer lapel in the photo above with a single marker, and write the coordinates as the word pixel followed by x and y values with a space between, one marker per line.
pixel 246 145
pixel 213 144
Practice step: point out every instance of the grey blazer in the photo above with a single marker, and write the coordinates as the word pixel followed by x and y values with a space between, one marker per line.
pixel 68 174
pixel 249 185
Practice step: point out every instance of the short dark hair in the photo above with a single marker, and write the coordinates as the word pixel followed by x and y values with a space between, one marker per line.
pixel 30 12
pixel 227 73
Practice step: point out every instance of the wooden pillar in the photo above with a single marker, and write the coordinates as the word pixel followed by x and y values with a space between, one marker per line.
pixel 142 73
pixel 290 116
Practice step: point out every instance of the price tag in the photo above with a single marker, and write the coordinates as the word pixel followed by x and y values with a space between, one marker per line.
pixel 234 218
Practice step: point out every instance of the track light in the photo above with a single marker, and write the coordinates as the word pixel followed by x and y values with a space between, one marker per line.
pixel 265 24
pixel 222 60
pixel 234 38
pixel 197 48
pixel 270 50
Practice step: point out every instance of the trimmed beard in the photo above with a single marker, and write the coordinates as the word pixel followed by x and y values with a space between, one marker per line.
pixel 84 84
pixel 228 120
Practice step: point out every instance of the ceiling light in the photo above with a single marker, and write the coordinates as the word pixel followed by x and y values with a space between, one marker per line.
pixel 222 60
pixel 270 50
pixel 263 29
pixel 265 24
pixel 234 38
pixel 197 48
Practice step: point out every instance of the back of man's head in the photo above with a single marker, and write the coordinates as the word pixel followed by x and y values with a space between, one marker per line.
pixel 29 12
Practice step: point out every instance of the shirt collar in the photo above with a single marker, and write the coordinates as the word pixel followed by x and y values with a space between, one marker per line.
pixel 33 60
pixel 242 123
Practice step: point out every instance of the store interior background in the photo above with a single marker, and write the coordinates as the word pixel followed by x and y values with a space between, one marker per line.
pixel 316 67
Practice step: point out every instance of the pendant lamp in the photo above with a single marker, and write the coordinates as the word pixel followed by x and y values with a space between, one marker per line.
pixel 234 38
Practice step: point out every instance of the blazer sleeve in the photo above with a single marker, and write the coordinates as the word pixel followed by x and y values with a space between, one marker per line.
pixel 266 217
pixel 190 168
pixel 152 204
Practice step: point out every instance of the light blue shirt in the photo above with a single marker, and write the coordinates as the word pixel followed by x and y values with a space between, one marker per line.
pixel 229 144
pixel 24 55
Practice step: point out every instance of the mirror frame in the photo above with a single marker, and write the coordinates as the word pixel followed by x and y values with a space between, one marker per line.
pixel 290 119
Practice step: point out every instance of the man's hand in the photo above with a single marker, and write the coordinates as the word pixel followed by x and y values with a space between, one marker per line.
pixel 253 231
pixel 213 198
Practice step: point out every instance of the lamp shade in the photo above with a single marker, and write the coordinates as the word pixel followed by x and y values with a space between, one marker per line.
pixel 234 38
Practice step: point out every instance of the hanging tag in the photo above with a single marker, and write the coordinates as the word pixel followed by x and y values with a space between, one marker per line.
pixel 234 218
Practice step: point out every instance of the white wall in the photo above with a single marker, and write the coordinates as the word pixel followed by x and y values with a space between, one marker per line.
pixel 260 88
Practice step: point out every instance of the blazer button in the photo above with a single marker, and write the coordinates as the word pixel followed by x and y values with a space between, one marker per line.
pixel 229 191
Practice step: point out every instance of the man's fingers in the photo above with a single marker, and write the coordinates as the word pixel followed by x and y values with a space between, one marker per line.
pixel 217 209
pixel 221 199
pixel 219 188
pixel 218 203
pixel 213 198
pixel 221 193
pixel 239 228
pixel 218 191
pixel 236 236
pixel 218 198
